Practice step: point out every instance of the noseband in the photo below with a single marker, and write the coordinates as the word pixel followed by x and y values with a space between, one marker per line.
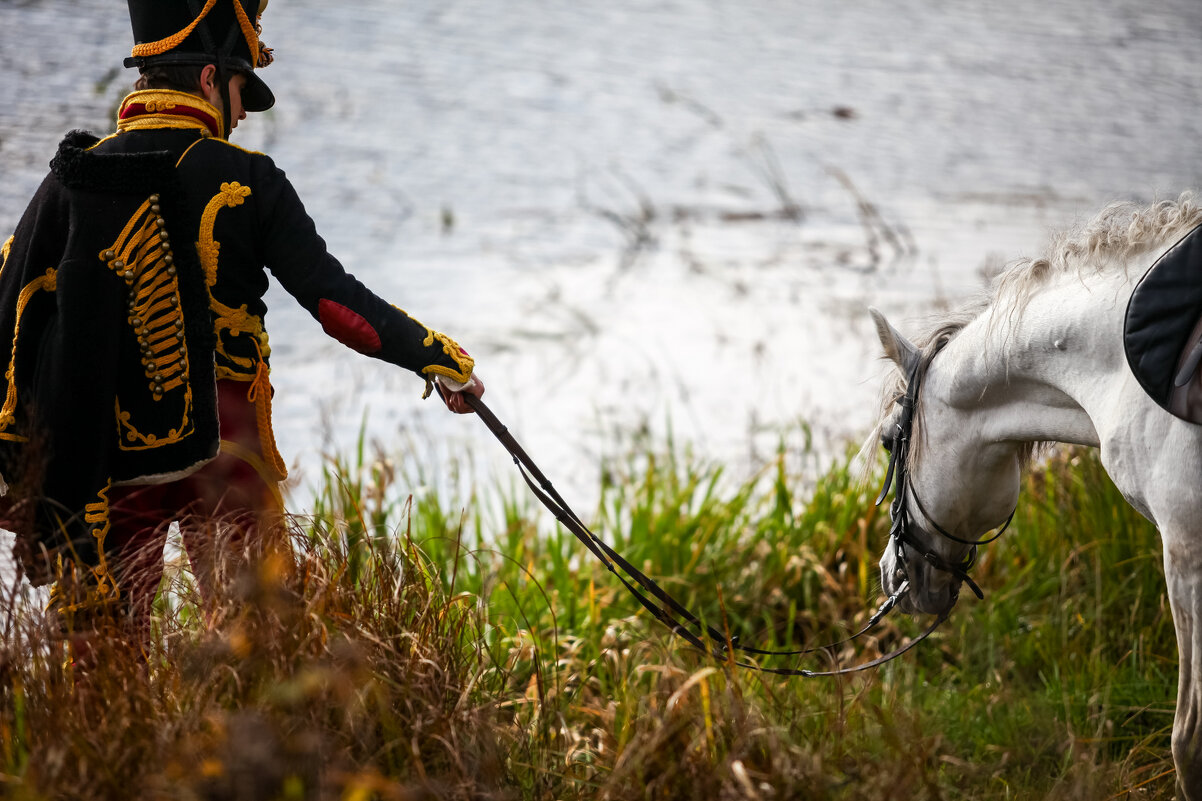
pixel 901 538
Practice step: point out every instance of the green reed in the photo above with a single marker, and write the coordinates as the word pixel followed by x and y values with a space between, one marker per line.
pixel 414 644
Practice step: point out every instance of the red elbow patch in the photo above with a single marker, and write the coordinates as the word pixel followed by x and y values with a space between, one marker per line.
pixel 348 327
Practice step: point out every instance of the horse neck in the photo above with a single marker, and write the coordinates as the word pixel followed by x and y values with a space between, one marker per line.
pixel 1040 370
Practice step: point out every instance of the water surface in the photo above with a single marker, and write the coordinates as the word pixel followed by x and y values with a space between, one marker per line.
pixel 651 214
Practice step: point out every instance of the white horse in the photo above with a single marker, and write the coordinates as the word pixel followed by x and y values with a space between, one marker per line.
pixel 1042 359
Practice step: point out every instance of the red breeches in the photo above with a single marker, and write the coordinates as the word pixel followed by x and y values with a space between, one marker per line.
pixel 222 508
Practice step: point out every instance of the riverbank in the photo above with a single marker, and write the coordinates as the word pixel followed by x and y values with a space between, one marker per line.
pixel 424 646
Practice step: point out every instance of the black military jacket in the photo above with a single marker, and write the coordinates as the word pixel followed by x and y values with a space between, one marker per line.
pixel 134 280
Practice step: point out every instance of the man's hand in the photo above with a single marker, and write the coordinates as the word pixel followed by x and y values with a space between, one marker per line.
pixel 452 392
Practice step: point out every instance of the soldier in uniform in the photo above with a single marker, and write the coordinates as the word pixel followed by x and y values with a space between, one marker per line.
pixel 137 386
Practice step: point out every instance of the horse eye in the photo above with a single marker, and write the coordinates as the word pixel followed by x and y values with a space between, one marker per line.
pixel 887 441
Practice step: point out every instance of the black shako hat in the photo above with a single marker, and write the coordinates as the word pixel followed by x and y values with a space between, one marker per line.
pixel 220 32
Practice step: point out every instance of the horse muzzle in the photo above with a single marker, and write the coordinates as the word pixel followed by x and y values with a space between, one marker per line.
pixel 927 600
pixel 930 591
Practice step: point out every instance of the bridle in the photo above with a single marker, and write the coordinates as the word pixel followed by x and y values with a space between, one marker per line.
pixel 901 538
pixel 677 618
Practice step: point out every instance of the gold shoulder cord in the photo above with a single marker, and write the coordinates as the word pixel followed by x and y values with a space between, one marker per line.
pixel 225 318
pixel 239 322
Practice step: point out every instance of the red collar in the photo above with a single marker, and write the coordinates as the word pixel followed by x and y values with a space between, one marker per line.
pixel 167 108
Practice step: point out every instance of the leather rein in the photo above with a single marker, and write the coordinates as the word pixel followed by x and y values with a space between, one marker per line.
pixel 674 615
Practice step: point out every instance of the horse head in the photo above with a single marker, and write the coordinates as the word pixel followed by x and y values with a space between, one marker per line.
pixel 951 481
pixel 1048 356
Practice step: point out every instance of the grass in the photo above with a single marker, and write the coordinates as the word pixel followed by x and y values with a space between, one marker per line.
pixel 417 646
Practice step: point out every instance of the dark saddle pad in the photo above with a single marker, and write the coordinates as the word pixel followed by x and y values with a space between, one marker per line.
pixel 1162 333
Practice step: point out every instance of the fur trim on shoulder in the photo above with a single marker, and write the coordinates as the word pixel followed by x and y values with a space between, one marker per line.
pixel 82 169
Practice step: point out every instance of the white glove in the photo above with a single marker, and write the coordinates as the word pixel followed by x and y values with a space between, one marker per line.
pixel 451 385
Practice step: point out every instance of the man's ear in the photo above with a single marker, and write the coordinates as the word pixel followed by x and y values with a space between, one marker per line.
pixel 208 78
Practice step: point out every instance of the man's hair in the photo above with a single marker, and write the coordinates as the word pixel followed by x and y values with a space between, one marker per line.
pixel 181 77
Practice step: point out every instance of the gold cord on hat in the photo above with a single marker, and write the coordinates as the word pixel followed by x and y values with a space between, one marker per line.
pixel 265 53
pixel 174 40
pixel 260 55
pixel 249 31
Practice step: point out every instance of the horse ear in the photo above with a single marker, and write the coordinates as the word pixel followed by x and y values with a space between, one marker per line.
pixel 897 347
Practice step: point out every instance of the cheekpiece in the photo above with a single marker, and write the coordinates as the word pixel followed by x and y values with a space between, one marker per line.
pixel 185 32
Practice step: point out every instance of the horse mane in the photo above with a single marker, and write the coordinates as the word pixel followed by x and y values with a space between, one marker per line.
pixel 1107 242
